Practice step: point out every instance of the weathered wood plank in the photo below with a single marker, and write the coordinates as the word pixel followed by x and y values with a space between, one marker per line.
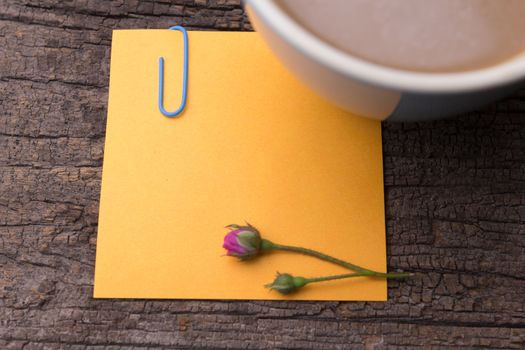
pixel 455 203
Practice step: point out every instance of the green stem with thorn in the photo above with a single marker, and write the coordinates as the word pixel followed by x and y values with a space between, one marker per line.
pixel 267 245
pixel 356 274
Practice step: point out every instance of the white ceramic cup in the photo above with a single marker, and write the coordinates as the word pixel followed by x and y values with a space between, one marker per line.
pixel 376 91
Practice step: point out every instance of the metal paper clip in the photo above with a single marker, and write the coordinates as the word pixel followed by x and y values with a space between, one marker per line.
pixel 184 77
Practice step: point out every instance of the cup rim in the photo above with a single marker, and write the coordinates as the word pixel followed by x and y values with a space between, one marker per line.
pixel 287 28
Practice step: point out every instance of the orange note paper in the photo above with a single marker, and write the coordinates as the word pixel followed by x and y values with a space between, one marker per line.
pixel 253 144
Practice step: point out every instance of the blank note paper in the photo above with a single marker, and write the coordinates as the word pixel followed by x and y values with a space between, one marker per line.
pixel 252 145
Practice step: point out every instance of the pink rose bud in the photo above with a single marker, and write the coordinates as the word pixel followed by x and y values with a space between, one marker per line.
pixel 243 242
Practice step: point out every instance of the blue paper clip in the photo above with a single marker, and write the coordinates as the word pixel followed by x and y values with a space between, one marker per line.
pixel 184 77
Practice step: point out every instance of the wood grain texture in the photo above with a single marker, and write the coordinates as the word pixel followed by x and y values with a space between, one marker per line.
pixel 455 203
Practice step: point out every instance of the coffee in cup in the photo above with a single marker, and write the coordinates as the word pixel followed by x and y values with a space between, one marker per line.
pixel 417 35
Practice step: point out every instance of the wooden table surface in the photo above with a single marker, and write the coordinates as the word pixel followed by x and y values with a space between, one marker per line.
pixel 455 204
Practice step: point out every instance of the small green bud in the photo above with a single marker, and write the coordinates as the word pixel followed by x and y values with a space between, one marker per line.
pixel 285 283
